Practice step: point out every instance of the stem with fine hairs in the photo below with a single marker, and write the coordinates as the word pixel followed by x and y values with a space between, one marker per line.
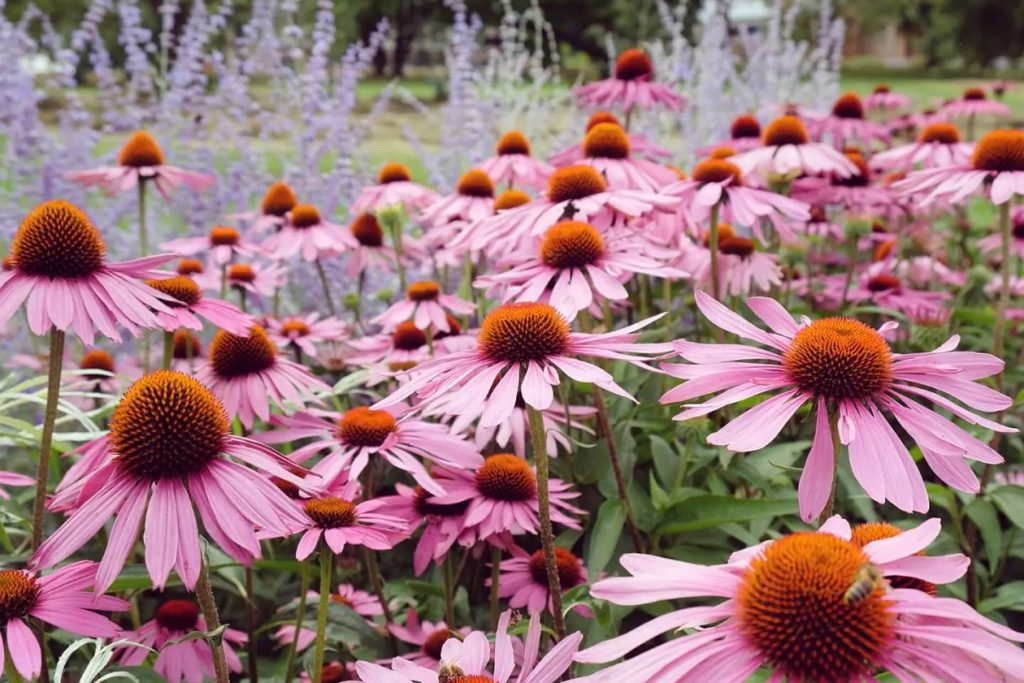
pixel 326 562
pixel 547 538
pixel 299 618
pixel 250 626
pixel 373 568
pixel 326 287
pixel 713 247
pixel 204 596
pixel 46 442
pixel 604 425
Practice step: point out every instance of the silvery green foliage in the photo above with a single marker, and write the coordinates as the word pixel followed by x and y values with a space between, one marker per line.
pixel 94 671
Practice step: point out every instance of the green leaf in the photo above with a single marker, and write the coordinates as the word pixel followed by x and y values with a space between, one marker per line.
pixel 1010 501
pixel 705 512
pixel 983 514
pixel 604 536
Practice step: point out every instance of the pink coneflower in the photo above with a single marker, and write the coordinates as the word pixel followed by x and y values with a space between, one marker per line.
pixel 426 306
pixel 99 371
pixel 361 602
pixel 502 497
pixel 305 332
pixel 464 660
pixel 166 449
pixel 975 102
pixel 882 98
pixel 223 244
pixel 186 351
pixel 923 271
pixel 513 165
pixel 744 134
pixel 606 148
pixel 631 86
pixel 991 244
pixel 394 187
pixel 179 660
pixel 854 192
pixel 472 200
pixel 370 248
pixel 514 432
pixel 526 339
pixel 846 124
pixel 248 375
pixel 186 304
pixel 353 437
pixel 853 378
pixel 344 521
pixel 190 267
pixel 58 268
pixel 405 344
pixel 577 193
pixel 278 200
pixel 442 524
pixel 579 265
pixel 306 232
pixel 996 167
pixel 938 145
pixel 141 160
pixel 879 286
pixel 59 599
pixel 639 145
pixel 524 578
pixel 742 267
pixel 787 150
pixel 428 636
pixel 719 182
pixel 837 605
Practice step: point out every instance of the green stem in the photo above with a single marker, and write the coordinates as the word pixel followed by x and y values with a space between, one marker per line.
pixel 358 312
pixel 713 246
pixel 833 425
pixel 143 238
pixel 1004 290
pixel 395 225
pixel 547 538
pixel 373 568
pixel 250 624
pixel 299 618
pixel 326 287
pixel 168 349
pixel 449 591
pixel 224 281
pixel 495 578
pixel 46 443
pixel 204 595
pixel 326 562
pixel 604 425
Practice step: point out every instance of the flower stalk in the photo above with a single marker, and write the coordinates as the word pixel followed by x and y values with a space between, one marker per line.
pixel 547 538
pixel 204 596
pixel 326 561
pixel 46 442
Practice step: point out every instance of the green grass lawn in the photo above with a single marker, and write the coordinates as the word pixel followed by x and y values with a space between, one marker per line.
pixel 927 91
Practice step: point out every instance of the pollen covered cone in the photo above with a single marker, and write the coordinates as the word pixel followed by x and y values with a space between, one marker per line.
pixel 475 183
pixel 717 171
pixel 575 182
pixel 234 356
pixel 569 574
pixel 522 332
pixel 513 142
pixel 331 513
pixel 182 288
pixel 408 337
pixel 946 133
pixel 177 615
pixel 792 608
pixel 606 141
pixel 839 359
pixel 140 150
pixel 506 477
pixel 745 126
pixel 224 236
pixel 190 266
pixel 393 172
pixel 97 359
pixel 848 106
pixel 632 64
pixel 305 216
pixel 510 199
pixel 602 117
pixel 241 272
pixel 785 130
pixel 186 345
pixel 975 94
pixel 366 427
pixel 367 231
pixel 58 240
pixel 279 199
pixel 424 290
pixel 167 425
pixel 1000 150
pixel 862 534
pixel 571 244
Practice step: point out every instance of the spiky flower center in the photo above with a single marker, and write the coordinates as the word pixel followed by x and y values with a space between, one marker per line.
pixel 435 642
pixel 745 126
pixel 97 359
pixel 335 672
pixel 278 200
pixel 510 199
pixel 606 141
pixel 975 94
pixel 571 244
pixel 305 216
pixel 233 356
pixel 522 332
pixel 241 272
pixel 575 182
pixel 722 152
pixel 717 171
pixel 569 574
pixel 737 246
pixel 884 282
pixel 58 240
pixel 454 328
pixel 223 236
pixel 294 327
pixel 475 183
pixel 882 89
pixel 167 425
pixel 602 117
pixel 632 64
pixel 140 150
pixel 190 266
pixel 424 506
pixel 839 358
pixel 408 337
pixel 18 594
pixel 364 427
pixel 792 607
pixel 183 340
pixel 946 133
pixel 424 290
pixel 393 172
pixel 785 130
pixel 862 534
pixel 506 477
pixel 182 288
pixel 177 615
pixel 513 142
pixel 1000 150
pixel 848 106
pixel 7 264
pixel 367 230
pixel 331 512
